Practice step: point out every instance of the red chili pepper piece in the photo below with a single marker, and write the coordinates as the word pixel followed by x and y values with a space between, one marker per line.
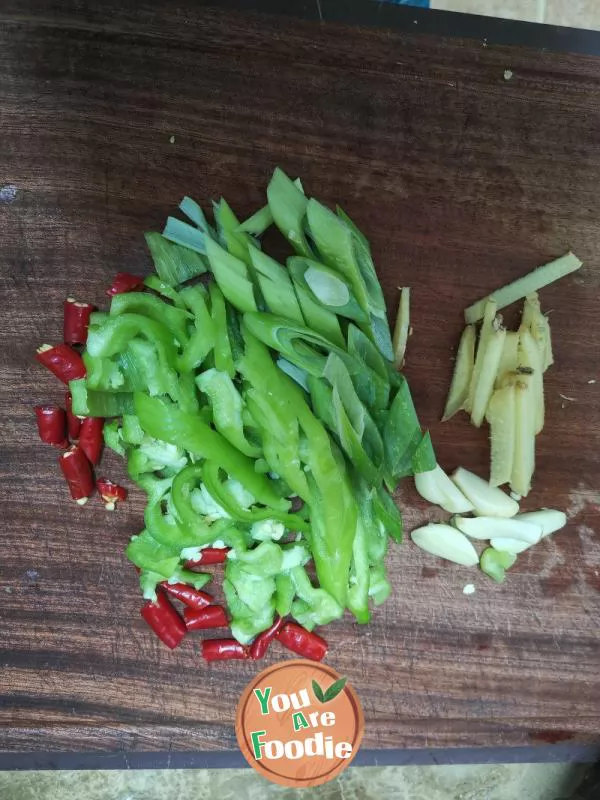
pixel 78 473
pixel 209 555
pixel 223 650
pixel 62 361
pixel 125 282
pixel 260 645
pixel 164 620
pixel 91 439
pixel 110 492
pixel 73 422
pixel 299 640
pixel 211 617
pixel 189 596
pixel 76 321
pixel 52 425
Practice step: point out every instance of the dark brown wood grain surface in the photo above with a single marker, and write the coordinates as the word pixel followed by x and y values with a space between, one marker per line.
pixel 462 180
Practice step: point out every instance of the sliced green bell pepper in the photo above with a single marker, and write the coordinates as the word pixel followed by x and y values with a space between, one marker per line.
pixel 175 319
pixel 285 591
pixel 224 530
pixel 89 403
pixel 315 606
pixel 202 339
pixel 146 553
pixel 226 499
pixel 227 406
pixel 113 437
pixel 159 418
pixel 222 347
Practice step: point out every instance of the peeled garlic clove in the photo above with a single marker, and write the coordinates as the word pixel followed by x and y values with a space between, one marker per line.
pixel 436 487
pixel 549 519
pixel 498 527
pixel 514 546
pixel 446 542
pixel 487 500
pixel 427 485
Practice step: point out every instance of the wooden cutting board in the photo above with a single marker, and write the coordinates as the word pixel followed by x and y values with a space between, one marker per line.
pixel 463 180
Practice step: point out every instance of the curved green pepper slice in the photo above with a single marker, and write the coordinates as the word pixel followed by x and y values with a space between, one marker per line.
pixel 225 530
pixel 226 499
pixel 164 420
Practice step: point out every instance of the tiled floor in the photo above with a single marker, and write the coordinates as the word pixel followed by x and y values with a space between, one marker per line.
pixel 571 13
pixel 501 782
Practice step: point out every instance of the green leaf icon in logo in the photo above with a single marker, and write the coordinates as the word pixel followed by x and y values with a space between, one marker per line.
pixel 318 692
pixel 331 693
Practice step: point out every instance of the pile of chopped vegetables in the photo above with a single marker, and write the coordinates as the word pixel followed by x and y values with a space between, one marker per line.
pixel 258 407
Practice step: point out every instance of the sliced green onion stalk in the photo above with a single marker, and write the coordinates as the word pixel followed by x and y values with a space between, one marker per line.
pixel 259 222
pixel 259 410
pixel 276 286
pixel 232 276
pixel 184 234
pixel 317 317
pixel 194 212
pixel 288 207
pixel 326 287
pixel 174 264
pixel 341 249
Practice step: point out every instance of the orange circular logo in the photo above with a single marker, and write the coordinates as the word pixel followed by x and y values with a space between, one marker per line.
pixel 299 723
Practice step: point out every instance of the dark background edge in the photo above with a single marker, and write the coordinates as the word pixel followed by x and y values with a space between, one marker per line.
pixel 408 19
pixel 559 753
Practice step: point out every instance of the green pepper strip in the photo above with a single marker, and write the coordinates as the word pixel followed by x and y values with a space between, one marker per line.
pixel 226 405
pixel 332 505
pixel 104 374
pixel 113 438
pixel 272 411
pixel 263 561
pixel 224 530
pixel 237 608
pixel 146 553
pixel 225 498
pixel 202 340
pixel 141 367
pixel 358 591
pixel 285 591
pixel 157 285
pixel 323 608
pixel 88 403
pixel 132 431
pixel 114 336
pixel 222 347
pixel 163 420
pixel 379 586
pixel 171 534
pixel 175 319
